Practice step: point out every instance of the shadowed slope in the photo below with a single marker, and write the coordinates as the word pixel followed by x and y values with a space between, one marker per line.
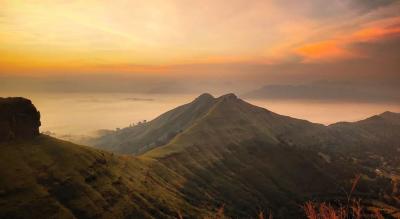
pixel 248 158
pixel 234 156
pixel 235 149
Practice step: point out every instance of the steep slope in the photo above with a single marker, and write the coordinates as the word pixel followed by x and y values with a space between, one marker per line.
pixel 232 121
pixel 243 118
pixel 49 178
pixel 146 136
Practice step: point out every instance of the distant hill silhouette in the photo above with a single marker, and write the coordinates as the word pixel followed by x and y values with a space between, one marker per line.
pixel 323 91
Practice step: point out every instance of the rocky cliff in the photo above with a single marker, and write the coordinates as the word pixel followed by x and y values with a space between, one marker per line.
pixel 19 119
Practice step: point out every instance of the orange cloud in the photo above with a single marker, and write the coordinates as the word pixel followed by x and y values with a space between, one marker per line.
pixel 375 33
pixel 326 50
pixel 339 47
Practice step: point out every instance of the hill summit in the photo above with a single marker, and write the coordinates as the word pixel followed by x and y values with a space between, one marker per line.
pixel 226 118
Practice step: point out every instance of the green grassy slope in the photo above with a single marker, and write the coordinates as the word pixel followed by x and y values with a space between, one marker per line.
pixel 50 178
pixel 249 158
pixel 231 121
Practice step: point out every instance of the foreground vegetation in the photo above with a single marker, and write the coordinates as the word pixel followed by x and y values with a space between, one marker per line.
pixel 352 209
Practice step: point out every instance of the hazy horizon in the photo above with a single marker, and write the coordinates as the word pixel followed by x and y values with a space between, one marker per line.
pixel 82 114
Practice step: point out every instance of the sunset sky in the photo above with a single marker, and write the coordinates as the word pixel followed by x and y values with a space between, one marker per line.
pixel 320 60
pixel 275 41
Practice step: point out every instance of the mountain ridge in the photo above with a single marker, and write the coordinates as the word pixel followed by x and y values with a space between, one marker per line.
pixel 230 153
pixel 206 100
pixel 161 129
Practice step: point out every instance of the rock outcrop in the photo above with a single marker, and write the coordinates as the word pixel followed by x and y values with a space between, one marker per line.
pixel 19 119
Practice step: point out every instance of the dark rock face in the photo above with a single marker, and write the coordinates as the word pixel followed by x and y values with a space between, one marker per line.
pixel 19 119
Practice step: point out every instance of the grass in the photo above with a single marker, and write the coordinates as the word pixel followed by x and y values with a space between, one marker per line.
pixel 327 211
pixel 353 209
pixel 313 210
pixel 50 178
pixel 47 177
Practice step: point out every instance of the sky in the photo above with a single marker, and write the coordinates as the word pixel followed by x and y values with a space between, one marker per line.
pixel 189 45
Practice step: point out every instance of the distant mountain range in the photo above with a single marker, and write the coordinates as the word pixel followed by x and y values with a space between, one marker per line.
pixel 194 159
pixel 325 91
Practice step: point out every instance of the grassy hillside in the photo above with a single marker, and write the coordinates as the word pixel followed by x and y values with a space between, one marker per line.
pixel 50 178
pixel 251 159
pixel 224 152
pixel 242 119
pixel 232 121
